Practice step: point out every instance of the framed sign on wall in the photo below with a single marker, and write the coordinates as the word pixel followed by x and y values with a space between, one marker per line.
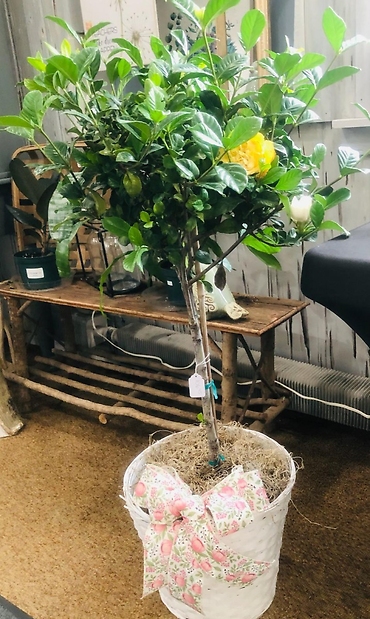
pixel 136 21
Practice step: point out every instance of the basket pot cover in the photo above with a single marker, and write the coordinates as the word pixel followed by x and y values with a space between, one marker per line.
pixel 261 539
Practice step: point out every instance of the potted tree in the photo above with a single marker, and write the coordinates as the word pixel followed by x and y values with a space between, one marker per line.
pixel 201 148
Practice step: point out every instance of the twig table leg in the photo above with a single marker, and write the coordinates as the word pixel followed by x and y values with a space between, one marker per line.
pixel 19 361
pixel 229 377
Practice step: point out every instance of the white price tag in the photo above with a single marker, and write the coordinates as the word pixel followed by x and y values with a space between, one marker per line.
pixel 197 388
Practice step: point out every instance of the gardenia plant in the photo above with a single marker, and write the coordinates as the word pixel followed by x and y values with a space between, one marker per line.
pixel 190 146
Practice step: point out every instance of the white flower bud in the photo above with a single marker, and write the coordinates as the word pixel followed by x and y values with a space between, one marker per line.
pixel 300 208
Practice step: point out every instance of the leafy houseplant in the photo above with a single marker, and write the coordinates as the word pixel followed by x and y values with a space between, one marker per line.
pixel 198 150
pixel 37 264
pixel 201 148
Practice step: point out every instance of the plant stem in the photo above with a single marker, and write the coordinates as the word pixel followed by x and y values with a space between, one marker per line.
pixel 209 54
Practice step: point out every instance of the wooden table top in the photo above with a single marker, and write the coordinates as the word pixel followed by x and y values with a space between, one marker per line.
pixel 265 313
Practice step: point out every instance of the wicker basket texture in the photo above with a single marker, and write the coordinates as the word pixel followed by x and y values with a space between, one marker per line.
pixel 261 540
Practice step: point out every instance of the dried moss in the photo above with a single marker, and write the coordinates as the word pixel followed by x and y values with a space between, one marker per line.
pixel 188 454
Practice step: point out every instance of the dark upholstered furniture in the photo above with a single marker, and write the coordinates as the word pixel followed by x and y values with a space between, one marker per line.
pixel 336 274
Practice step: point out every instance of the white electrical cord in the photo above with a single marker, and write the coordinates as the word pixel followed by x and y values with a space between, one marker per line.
pixel 173 367
pixel 337 404
pixel 127 352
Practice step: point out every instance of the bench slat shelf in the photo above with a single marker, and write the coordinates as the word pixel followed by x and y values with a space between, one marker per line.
pixel 143 388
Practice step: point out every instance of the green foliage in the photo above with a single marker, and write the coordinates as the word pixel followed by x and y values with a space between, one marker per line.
pixel 198 149
pixel 39 191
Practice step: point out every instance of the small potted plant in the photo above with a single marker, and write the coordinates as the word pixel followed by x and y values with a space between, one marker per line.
pixel 200 149
pixel 36 264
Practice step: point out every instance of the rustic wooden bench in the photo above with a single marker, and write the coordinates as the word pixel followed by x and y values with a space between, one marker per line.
pixel 141 389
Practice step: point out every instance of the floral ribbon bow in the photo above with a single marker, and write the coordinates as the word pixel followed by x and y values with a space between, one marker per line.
pixel 184 539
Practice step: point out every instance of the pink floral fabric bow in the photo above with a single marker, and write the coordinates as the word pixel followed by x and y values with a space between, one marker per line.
pixel 184 539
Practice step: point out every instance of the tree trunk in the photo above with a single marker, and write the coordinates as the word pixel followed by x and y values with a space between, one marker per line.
pixel 197 320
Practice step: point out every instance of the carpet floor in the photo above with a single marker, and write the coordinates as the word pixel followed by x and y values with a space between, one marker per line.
pixel 69 550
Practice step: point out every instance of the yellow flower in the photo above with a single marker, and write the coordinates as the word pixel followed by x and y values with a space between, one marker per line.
pixel 255 155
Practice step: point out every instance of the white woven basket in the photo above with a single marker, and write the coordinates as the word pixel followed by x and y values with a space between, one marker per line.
pixel 260 540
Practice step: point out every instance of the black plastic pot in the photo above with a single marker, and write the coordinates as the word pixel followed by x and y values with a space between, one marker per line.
pixel 38 271
pixel 174 291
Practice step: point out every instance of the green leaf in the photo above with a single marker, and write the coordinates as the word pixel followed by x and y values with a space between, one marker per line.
pixel 206 130
pixel 111 68
pixel 317 214
pixel 214 8
pixel 308 61
pixel 182 41
pixel 62 257
pixel 66 66
pixel 266 248
pixel 270 97
pixel 347 158
pixel 334 28
pixel 188 8
pixel 337 196
pixel 230 66
pixel 15 121
pixel 284 62
pixel 268 259
pixel 34 85
pixel 123 68
pixel 212 182
pixel 125 156
pixel 94 29
pixel 26 181
pixel 233 175
pixel 88 61
pixel 203 257
pixel 318 154
pixel 159 49
pixel 333 225
pixel 228 226
pixel 290 180
pixel 27 134
pixel 200 43
pixel 273 175
pixel 24 218
pixel 66 47
pixel 155 96
pixel 33 107
pixel 240 129
pixel 117 226
pixel 336 75
pixel 174 120
pixel 131 50
pixel 37 63
pixel 363 110
pixel 42 206
pixel 188 169
pixel 144 216
pixel 63 24
pixel 57 152
pixel 135 258
pixel 251 28
pixel 135 236
pixel 308 116
pixel 139 129
pixel 100 203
